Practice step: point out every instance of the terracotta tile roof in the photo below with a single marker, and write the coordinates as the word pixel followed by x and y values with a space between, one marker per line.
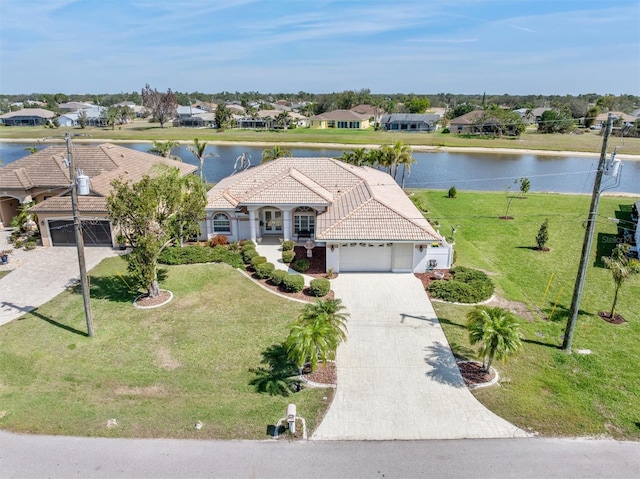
pixel 62 204
pixel 362 203
pixel 101 164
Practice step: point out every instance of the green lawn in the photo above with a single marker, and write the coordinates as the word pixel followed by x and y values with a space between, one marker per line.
pixel 156 371
pixel 544 389
pixel 142 130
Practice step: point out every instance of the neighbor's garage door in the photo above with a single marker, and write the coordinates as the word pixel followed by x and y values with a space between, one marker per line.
pixel 365 257
pixel 95 233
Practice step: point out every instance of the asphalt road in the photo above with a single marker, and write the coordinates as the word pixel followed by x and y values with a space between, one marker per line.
pixel 24 456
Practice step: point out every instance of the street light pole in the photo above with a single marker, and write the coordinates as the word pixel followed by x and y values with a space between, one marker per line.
pixel 586 245
pixel 77 227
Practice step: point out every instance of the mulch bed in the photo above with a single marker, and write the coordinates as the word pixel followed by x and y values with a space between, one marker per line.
pixel 428 278
pixel 473 374
pixel 616 319
pixel 324 374
pixel 146 301
pixel 318 262
pixel 302 295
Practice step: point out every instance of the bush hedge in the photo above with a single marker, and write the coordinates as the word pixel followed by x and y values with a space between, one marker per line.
pixel 264 270
pixel 249 254
pixel 465 286
pixel 278 276
pixel 319 287
pixel 301 265
pixel 256 260
pixel 199 254
pixel 248 245
pixel 287 256
pixel 288 245
pixel 292 283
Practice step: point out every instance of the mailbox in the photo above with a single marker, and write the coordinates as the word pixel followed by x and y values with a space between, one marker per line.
pixel 291 418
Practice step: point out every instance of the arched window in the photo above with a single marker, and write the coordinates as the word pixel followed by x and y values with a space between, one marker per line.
pixel 221 223
pixel 304 219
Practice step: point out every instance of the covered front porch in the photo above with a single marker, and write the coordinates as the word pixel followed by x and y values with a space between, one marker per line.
pixel 294 223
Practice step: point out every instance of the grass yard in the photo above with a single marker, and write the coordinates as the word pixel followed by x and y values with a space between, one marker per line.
pixel 157 372
pixel 142 130
pixel 543 389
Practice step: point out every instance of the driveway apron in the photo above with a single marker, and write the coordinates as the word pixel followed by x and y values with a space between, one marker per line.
pixel 397 377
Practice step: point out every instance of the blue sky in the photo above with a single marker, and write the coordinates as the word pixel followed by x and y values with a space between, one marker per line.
pixel 410 46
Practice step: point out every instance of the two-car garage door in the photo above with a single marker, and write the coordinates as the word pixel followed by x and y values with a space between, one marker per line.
pixel 95 233
pixel 365 257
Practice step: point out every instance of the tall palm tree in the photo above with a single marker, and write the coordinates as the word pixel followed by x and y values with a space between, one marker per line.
pixel 282 119
pixel 198 150
pixel 274 153
pixel 497 331
pixel 621 266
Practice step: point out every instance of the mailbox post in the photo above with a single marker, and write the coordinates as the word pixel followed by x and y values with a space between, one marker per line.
pixel 291 418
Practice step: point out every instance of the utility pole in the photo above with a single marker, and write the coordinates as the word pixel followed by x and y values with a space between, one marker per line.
pixel 77 226
pixel 586 245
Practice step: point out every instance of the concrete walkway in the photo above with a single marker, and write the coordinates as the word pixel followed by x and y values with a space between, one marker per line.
pixel 40 275
pixel 272 250
pixel 397 378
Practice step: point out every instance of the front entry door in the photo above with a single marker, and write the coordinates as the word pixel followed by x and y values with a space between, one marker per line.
pixel 272 221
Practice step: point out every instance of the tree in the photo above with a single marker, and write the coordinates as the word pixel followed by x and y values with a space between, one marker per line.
pixel 153 214
pixel 274 153
pixel 283 119
pixel 553 121
pixel 83 119
pixel 621 266
pixel 393 156
pixel 543 235
pixel 125 113
pixel 417 105
pixel 223 117
pixel 163 106
pixel 163 148
pixel 109 117
pixel 496 330
pixel 315 336
pixel 198 150
pixel 30 149
pixel 525 185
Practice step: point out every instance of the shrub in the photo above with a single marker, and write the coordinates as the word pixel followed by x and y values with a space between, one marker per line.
pixel 30 244
pixel 287 256
pixel 198 254
pixel 465 286
pixel 248 255
pixel 420 204
pixel 301 265
pixel 256 260
pixel 452 192
pixel 319 287
pixel 278 276
pixel 292 283
pixel 445 131
pixel 264 270
pixel 288 245
pixel 247 245
pixel 218 240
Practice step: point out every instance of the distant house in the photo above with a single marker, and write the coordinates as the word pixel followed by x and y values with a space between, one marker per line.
pixel 71 106
pixel 27 117
pixel 410 122
pixel 341 119
pixel 465 123
pixel 266 119
pixel 601 119
pixel 43 177
pixel 95 117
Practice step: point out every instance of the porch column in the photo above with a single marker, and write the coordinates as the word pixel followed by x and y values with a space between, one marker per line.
pixel 252 224
pixel 287 216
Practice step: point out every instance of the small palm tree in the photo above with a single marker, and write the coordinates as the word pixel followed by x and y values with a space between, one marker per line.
pixel 198 149
pixel 163 148
pixel 497 331
pixel 329 310
pixel 274 153
pixel 621 266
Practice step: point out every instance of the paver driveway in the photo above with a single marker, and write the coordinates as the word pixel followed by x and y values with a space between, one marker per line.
pixel 397 378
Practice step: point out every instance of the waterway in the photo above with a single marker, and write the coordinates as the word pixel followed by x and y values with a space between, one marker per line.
pixel 432 170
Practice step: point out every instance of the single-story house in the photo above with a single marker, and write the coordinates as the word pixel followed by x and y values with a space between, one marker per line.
pixel 43 177
pixel 601 119
pixel 359 214
pixel 27 117
pixel 70 106
pixel 95 117
pixel 344 119
pixel 267 119
pixel 465 123
pixel 410 122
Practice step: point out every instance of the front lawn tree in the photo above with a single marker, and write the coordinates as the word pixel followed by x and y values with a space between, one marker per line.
pixel 496 330
pixel 153 214
pixel 223 117
pixel 621 266
pixel 198 150
pixel 525 186
pixel 543 235
pixel 163 106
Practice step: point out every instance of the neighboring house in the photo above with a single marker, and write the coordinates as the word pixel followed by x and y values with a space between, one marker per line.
pixel 342 119
pixel 43 177
pixel 74 106
pixel 465 123
pixel 188 111
pixel 370 111
pixel 190 116
pixel 359 214
pixel 266 119
pixel 27 117
pixel 410 122
pixel 95 117
pixel 536 113
pixel 601 119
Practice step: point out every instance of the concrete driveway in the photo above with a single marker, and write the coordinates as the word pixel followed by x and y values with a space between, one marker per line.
pixel 40 275
pixel 397 378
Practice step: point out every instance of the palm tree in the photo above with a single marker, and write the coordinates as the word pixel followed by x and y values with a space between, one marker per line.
pixel 315 336
pixel 163 148
pixel 497 331
pixel 621 266
pixel 274 153
pixel 198 150
pixel 396 155
pixel 283 119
